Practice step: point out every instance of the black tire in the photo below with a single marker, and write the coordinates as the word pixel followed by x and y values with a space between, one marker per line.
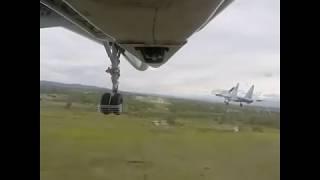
pixel 116 99
pixel 105 99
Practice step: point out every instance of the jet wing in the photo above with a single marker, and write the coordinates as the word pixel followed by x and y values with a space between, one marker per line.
pixel 50 18
pixel 150 31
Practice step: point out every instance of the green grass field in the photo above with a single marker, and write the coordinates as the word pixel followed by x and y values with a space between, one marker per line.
pixel 81 144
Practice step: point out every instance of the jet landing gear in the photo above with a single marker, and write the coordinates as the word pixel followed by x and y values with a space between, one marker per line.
pixel 241 105
pixel 112 102
pixel 226 102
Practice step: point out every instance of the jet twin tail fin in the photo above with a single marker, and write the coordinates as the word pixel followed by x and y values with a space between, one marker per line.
pixel 235 90
pixel 250 93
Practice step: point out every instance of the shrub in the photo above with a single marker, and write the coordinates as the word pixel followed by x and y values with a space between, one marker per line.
pixel 68 105
pixel 257 129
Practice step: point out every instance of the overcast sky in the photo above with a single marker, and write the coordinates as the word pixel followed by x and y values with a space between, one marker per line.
pixel 242 44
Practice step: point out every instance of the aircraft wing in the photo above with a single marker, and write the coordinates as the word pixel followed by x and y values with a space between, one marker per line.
pixel 150 31
pixel 50 18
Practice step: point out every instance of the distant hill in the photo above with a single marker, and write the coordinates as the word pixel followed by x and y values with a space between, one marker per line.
pixel 52 85
pixel 56 87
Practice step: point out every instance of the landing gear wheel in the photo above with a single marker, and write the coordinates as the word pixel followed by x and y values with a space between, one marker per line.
pixel 112 103
pixel 241 104
pixel 105 101
pixel 116 100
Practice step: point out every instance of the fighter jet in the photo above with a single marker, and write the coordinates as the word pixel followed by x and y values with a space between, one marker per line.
pixel 247 98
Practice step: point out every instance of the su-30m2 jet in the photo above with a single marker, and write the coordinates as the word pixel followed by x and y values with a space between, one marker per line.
pixel 232 95
pixel 145 32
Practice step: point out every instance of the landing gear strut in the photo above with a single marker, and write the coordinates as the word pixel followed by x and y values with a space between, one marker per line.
pixel 112 102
